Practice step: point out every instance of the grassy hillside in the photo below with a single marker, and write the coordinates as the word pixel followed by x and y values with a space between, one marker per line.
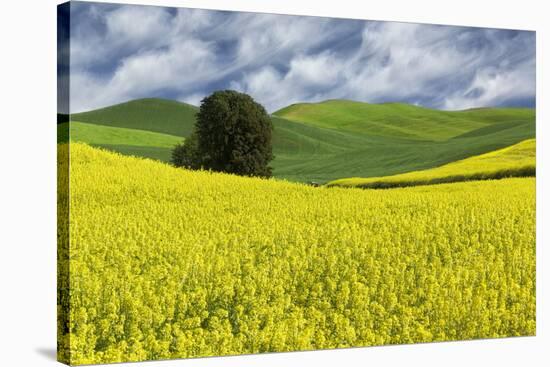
pixel 515 161
pixel 364 155
pixel 191 263
pixel 126 141
pixel 400 120
pixel 151 114
pixel 335 139
pixel 391 138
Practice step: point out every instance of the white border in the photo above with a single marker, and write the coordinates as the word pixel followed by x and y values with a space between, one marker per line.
pixel 27 193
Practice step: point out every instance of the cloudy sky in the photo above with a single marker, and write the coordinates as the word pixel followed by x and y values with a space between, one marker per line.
pixel 123 52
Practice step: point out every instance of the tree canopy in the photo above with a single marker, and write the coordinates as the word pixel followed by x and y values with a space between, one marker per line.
pixel 233 135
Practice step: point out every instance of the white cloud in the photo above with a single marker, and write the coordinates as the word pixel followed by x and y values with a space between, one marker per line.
pixel 87 92
pixel 265 85
pixel 135 26
pixel 280 60
pixel 181 64
pixel 262 36
pixel 274 89
pixel 141 75
pixel 193 99
pixel 492 87
pixel 402 61
pixel 319 70
pixel 114 33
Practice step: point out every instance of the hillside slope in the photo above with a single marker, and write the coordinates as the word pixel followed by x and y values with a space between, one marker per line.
pixel 517 160
pixel 363 155
pixel 151 114
pixel 337 139
pixel 393 138
pixel 400 120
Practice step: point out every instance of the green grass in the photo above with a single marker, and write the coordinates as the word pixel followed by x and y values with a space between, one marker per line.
pixel 126 141
pixel 398 119
pixel 517 160
pixel 391 138
pixel 151 114
pixel 335 139
pixel 364 155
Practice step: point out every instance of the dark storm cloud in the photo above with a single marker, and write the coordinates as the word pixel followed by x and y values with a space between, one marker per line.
pixel 121 52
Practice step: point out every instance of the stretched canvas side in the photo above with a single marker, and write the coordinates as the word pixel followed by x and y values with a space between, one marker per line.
pixel 63 272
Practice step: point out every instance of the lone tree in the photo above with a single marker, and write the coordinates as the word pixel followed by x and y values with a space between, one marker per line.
pixel 233 134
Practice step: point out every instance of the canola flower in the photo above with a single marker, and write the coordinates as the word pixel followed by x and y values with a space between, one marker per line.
pixel 169 263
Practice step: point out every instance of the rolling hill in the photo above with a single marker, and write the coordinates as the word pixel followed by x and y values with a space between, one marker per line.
pixel 392 138
pixel 517 160
pixel 372 156
pixel 335 139
pixel 400 120
pixel 151 114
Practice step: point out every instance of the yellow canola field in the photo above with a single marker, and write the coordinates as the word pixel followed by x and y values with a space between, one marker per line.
pixel 170 263
pixel 517 160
